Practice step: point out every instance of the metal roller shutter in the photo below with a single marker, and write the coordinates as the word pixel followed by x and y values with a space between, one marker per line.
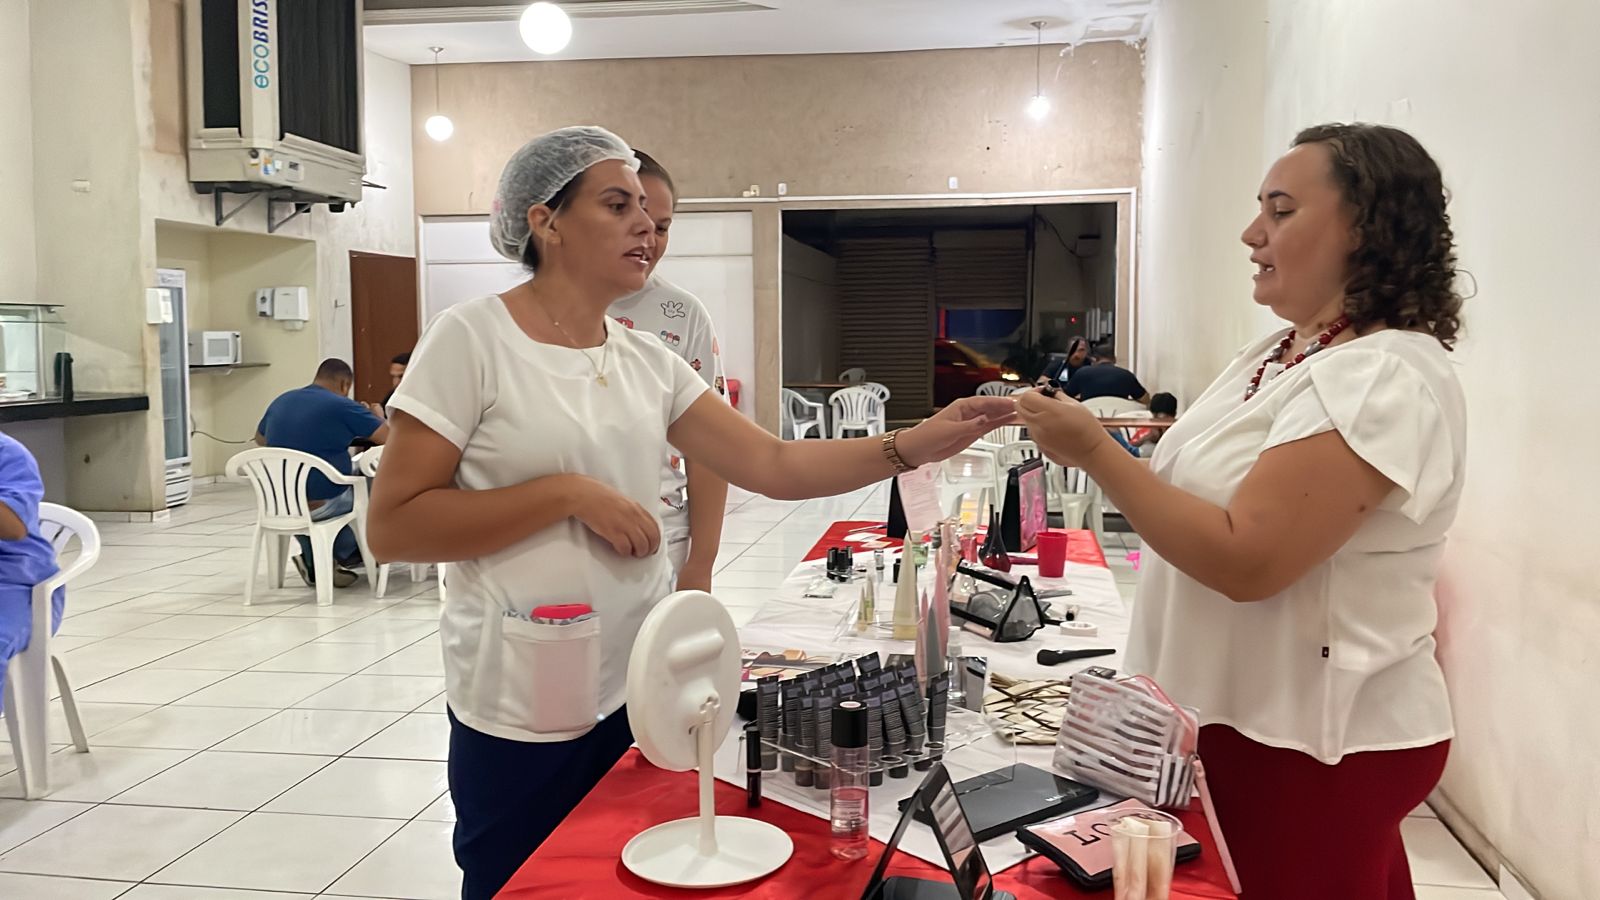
pixel 981 269
pixel 886 317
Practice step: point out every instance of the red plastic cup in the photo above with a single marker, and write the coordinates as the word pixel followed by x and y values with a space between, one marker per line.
pixel 1052 553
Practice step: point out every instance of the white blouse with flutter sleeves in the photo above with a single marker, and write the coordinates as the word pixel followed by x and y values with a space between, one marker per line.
pixel 1343 660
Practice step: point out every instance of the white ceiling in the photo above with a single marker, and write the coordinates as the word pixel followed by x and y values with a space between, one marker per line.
pixel 624 30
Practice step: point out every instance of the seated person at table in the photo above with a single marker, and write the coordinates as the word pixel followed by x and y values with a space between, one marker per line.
pixel 397 371
pixel 1105 379
pixel 1163 406
pixel 322 420
pixel 26 558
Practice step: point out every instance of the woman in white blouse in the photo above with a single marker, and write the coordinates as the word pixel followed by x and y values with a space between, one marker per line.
pixel 1293 520
pixel 526 447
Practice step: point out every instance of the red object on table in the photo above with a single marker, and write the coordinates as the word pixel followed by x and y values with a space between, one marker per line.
pixel 583 858
pixel 1052 553
pixel 1082 548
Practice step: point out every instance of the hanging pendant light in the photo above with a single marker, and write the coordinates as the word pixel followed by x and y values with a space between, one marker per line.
pixel 439 127
pixel 1039 104
pixel 545 28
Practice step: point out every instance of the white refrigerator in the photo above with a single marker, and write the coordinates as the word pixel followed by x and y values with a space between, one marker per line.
pixel 175 390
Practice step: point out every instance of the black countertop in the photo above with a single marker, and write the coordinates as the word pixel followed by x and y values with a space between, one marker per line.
pixel 83 404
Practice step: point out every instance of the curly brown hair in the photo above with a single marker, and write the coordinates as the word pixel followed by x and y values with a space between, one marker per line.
pixel 1404 272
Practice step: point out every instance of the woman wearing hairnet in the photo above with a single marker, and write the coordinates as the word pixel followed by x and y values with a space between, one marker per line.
pixel 525 448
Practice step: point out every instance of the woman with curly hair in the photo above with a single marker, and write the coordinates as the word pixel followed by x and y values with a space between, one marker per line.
pixel 1294 517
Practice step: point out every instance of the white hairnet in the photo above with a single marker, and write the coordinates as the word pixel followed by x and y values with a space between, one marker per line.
pixel 542 167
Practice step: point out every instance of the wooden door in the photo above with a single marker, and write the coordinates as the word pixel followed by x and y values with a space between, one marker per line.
pixel 384 314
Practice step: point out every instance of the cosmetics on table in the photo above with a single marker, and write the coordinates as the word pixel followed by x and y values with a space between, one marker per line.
pixel 824 746
pixel 769 716
pixel 874 705
pixel 848 795
pixel 753 754
pixel 791 725
pixel 804 774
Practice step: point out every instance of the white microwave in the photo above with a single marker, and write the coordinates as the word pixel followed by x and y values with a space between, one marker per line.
pixel 214 348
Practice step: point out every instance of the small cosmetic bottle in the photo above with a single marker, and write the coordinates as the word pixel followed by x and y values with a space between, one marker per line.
pixel 847 799
pixel 752 764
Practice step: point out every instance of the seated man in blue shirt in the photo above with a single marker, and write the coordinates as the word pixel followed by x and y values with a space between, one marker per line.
pixel 26 558
pixel 322 420
pixel 1105 379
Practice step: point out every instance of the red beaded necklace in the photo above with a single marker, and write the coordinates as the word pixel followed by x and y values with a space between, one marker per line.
pixel 1322 340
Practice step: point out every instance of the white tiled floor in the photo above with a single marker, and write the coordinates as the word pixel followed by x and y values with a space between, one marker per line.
pixel 284 750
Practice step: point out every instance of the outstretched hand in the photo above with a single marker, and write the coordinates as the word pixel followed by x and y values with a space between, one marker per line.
pixel 955 428
pixel 1064 430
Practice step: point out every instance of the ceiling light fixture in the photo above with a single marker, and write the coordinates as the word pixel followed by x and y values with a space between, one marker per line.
pixel 439 127
pixel 545 28
pixel 1039 105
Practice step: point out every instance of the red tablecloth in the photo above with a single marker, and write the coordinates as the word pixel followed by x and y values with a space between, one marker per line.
pixel 1081 545
pixel 583 858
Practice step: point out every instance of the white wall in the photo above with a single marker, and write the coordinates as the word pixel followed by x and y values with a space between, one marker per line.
pixel 1204 82
pixel 18 269
pixel 810 299
pixel 1506 103
pixel 710 256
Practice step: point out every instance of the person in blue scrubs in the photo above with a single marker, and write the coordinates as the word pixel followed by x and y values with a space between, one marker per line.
pixel 26 558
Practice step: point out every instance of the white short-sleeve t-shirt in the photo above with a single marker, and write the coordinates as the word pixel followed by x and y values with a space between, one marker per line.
pixel 519 410
pixel 683 325
pixel 1343 660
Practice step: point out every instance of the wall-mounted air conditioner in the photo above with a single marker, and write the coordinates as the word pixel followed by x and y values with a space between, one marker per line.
pixel 274 97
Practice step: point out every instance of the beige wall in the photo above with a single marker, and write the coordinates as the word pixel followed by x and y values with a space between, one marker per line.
pixel 810 313
pixel 1506 104
pixel 91 259
pixel 882 123
pixel 855 124
pixel 18 269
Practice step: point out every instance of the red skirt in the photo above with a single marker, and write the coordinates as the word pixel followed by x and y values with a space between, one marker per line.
pixel 1300 829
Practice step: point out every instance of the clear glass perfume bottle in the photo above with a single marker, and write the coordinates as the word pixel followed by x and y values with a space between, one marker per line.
pixel 847 798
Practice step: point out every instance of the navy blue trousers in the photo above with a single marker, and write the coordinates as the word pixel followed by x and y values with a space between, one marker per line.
pixel 510 795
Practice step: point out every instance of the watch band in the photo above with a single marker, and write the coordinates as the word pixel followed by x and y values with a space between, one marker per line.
pixel 892 453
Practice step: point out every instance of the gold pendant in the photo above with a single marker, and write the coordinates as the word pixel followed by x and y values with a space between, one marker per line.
pixel 601 379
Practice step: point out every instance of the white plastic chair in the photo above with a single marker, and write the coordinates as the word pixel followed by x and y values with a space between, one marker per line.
pixel 881 390
pixel 1080 499
pixel 997 388
pixel 803 414
pixel 856 409
pixel 27 693
pixel 279 477
pixel 1108 407
pixel 367 464
pixel 853 376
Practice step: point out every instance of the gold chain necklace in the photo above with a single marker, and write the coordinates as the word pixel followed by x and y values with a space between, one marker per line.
pixel 605 347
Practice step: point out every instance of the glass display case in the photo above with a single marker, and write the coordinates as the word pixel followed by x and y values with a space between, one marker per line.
pixel 33 348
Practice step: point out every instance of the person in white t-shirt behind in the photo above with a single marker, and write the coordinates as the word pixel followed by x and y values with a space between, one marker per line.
pixel 1294 517
pixel 527 443
pixel 693 498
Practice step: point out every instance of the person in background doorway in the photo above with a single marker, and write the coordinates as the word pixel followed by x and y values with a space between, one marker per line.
pixel 397 370
pixel 693 498
pixel 1163 406
pixel 1104 378
pixel 322 420
pixel 26 558
pixel 1077 358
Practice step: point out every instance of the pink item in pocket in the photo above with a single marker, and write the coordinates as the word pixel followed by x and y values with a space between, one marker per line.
pixel 1133 559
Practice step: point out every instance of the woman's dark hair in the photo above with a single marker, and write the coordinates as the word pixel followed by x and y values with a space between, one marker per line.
pixel 649 166
pixel 1403 273
pixel 530 252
